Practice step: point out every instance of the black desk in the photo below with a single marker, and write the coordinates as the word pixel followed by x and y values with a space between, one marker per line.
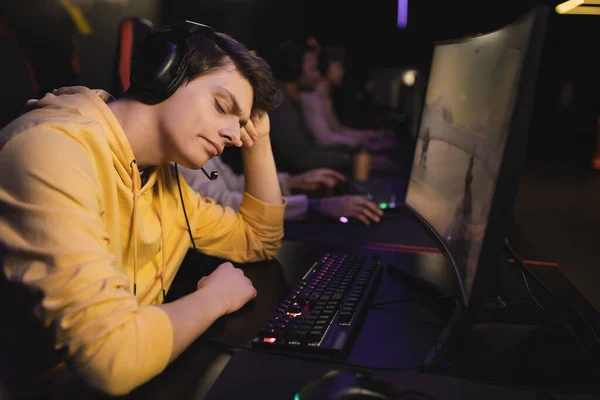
pixel 396 336
pixel 404 333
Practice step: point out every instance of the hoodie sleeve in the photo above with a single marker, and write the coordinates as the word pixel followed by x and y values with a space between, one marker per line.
pixel 252 234
pixel 52 228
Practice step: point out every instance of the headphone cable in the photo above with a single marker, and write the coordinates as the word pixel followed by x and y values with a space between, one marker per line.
pixel 187 221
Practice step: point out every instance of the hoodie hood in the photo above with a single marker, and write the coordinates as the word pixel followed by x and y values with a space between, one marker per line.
pixel 91 107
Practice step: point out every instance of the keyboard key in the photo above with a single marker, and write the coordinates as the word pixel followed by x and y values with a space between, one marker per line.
pixel 314 298
pixel 338 296
pixel 297 336
pixel 345 316
pixel 294 308
pixel 315 335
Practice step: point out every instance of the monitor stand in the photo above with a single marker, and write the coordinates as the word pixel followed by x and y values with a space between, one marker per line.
pixel 509 340
pixel 508 301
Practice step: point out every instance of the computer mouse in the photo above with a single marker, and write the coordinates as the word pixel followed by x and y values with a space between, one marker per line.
pixel 345 385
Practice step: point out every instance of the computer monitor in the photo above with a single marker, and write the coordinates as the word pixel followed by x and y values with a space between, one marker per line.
pixel 471 143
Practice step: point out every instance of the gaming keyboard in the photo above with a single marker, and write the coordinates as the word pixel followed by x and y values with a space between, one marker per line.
pixel 323 312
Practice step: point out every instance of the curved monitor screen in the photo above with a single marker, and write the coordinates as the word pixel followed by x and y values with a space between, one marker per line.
pixel 468 107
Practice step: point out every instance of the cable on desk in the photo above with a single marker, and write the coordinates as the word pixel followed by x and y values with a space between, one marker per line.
pixel 547 289
pixel 541 307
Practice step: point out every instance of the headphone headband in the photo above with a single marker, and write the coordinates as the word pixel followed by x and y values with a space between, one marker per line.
pixel 161 66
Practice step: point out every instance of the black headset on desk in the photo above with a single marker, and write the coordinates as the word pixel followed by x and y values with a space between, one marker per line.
pixel 161 67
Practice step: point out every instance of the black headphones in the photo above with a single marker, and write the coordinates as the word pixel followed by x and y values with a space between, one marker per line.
pixel 161 66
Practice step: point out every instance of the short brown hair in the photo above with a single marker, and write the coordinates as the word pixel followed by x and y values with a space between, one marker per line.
pixel 209 52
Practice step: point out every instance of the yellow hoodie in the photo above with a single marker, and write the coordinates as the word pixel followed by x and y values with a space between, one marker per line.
pixel 77 227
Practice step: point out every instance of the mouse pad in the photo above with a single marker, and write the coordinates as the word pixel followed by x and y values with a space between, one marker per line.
pixel 396 227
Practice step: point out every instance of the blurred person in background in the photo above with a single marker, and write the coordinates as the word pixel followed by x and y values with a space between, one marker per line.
pixel 294 145
pixel 228 191
pixel 320 115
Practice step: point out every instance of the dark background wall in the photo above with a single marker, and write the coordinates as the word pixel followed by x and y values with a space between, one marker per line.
pixel 563 127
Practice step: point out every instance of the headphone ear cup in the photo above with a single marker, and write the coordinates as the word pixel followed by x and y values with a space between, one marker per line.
pixel 158 69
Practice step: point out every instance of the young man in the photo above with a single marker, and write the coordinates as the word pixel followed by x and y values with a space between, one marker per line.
pixel 294 145
pixel 94 226
pixel 229 188
pixel 317 106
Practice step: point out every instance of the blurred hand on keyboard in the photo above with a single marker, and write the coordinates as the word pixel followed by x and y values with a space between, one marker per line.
pixel 229 286
pixel 350 206
pixel 315 179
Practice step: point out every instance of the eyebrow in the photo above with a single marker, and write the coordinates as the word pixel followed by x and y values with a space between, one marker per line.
pixel 236 106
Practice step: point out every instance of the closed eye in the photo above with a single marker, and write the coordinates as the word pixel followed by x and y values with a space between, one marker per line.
pixel 219 108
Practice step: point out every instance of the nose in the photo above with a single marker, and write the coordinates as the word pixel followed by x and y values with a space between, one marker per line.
pixel 231 134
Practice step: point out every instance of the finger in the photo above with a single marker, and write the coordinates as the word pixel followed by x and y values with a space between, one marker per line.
pixel 245 138
pixel 251 129
pixel 253 291
pixel 324 181
pixel 362 218
pixel 334 174
pixel 372 207
pixel 365 202
pixel 371 216
pixel 258 117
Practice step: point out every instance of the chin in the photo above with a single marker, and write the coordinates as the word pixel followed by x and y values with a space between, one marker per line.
pixel 194 163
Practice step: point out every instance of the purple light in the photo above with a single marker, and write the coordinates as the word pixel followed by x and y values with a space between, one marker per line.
pixel 402 14
pixel 344 220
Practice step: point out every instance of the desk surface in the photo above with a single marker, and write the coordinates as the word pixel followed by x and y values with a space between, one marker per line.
pixel 404 333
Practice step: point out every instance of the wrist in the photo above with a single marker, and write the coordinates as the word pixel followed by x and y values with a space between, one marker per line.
pixel 211 301
pixel 263 144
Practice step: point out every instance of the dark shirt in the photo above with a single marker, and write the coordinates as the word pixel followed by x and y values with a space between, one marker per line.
pixel 293 147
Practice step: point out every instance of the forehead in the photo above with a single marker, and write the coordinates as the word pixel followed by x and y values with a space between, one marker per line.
pixel 228 78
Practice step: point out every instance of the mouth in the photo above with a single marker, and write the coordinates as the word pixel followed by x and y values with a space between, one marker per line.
pixel 216 146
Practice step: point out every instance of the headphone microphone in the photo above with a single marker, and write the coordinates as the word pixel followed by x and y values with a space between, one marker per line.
pixel 213 175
